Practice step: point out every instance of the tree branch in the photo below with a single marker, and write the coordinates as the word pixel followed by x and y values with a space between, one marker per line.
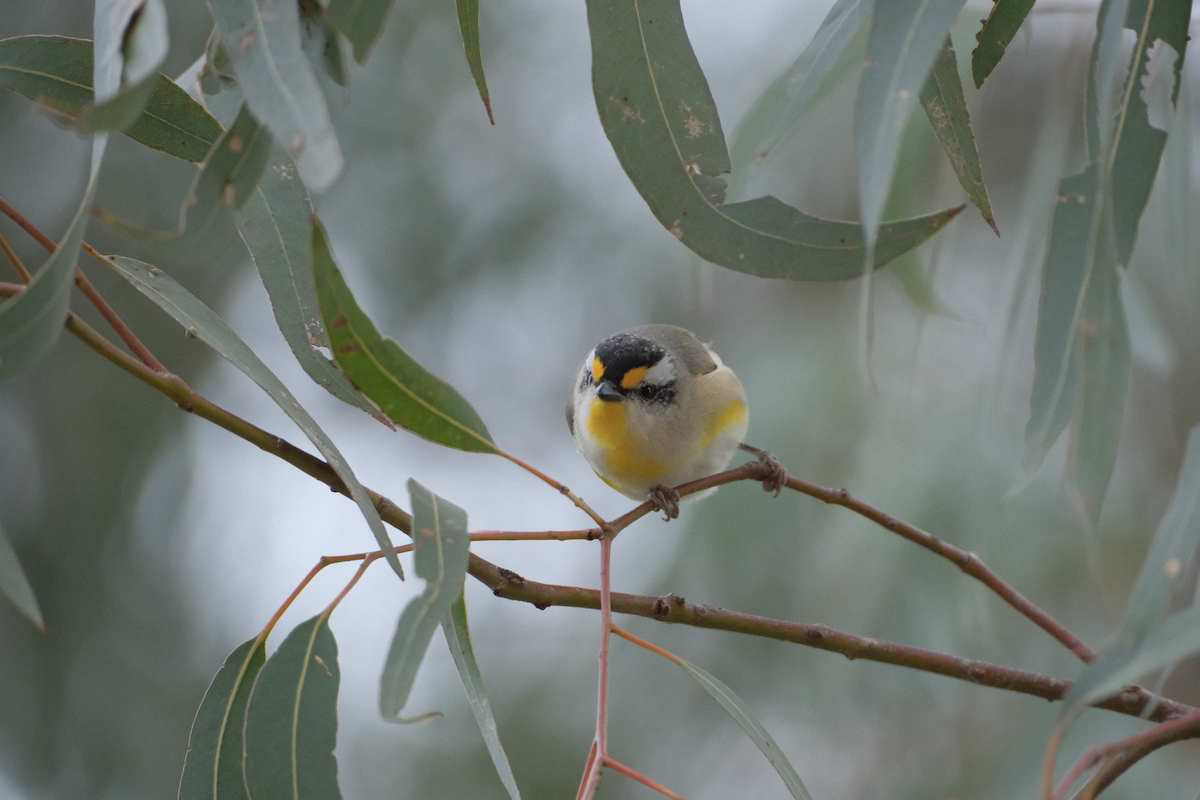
pixel 510 586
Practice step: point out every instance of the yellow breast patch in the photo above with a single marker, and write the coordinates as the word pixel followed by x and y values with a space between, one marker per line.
pixel 606 425
pixel 734 413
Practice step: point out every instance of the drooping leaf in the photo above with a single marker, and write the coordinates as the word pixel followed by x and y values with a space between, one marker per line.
pixel 1175 544
pixel 1070 262
pixel 1002 24
pixel 904 40
pixel 946 107
pixel 458 638
pixel 801 81
pixel 132 42
pixel 202 322
pixel 322 43
pixel 32 321
pixel 275 225
pixel 15 586
pixel 214 766
pixel 440 544
pixel 749 723
pixel 1139 146
pixel 1082 346
pixel 262 38
pixel 361 21
pixel 412 396
pixel 56 72
pixel 659 115
pixel 468 23
pixel 291 719
pixel 1104 356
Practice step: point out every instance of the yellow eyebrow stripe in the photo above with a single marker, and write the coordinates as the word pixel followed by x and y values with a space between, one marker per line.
pixel 633 377
pixel 597 370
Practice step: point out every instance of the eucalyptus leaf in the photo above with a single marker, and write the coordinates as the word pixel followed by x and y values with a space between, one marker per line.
pixel 291 718
pixel 361 21
pixel 660 117
pixel 946 107
pixel 468 23
pixel 275 224
pixel 262 39
pixel 903 43
pixel 440 544
pixel 56 72
pixel 744 717
pixel 213 768
pixel 15 586
pixel 411 396
pixel 202 322
pixel 1001 25
pixel 32 321
pixel 458 638
pixel 800 82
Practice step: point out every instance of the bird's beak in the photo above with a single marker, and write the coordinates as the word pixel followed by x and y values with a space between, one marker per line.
pixel 607 390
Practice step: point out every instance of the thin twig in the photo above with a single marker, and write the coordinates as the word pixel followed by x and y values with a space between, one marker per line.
pixel 89 291
pixel 1114 758
pixel 15 260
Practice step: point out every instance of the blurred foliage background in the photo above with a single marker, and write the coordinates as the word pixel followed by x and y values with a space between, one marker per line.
pixel 498 257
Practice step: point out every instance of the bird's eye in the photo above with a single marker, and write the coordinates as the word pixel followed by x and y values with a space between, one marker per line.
pixel 647 391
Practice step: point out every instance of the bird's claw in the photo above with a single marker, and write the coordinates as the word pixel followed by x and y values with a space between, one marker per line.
pixel 666 500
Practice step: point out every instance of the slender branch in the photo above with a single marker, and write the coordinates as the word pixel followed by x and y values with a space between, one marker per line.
pixel 629 772
pixel 118 325
pixel 1132 701
pixel 1115 758
pixel 15 260
pixel 968 562
pixel 562 488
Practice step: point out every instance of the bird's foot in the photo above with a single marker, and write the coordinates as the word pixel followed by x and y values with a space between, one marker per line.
pixel 776 477
pixel 665 499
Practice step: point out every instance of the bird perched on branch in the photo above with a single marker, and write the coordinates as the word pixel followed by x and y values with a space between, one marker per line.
pixel 652 408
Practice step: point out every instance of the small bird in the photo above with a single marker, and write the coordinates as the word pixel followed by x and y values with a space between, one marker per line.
pixel 653 407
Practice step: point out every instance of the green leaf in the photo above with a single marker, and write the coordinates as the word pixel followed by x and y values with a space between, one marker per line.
pixel 458 638
pixel 659 115
pixel 15 586
pixel 1002 24
pixel 1103 350
pixel 946 107
pixel 440 544
pixel 214 766
pixel 275 225
pixel 361 21
pixel 1070 263
pixel 1139 146
pixel 32 321
pixel 237 163
pixel 262 38
pixel 745 718
pixel 322 44
pixel 904 40
pixel 805 76
pixel 291 720
pixel 132 43
pixel 412 396
pixel 1178 637
pixel 202 322
pixel 468 23
pixel 56 72
pixel 1165 568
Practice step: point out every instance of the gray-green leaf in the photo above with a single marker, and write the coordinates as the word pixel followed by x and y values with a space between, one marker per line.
pixel 202 322
pixel 440 543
